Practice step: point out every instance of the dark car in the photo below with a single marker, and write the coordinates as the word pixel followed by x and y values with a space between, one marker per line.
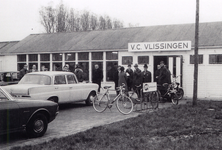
pixel 9 77
pixel 32 116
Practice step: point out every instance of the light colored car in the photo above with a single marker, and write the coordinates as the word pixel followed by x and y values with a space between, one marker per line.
pixel 57 86
pixel 30 115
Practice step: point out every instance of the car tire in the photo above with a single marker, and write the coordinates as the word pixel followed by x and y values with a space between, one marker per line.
pixel 37 125
pixel 89 101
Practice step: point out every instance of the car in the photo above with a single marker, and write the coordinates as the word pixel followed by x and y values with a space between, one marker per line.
pixel 9 77
pixel 31 116
pixel 58 86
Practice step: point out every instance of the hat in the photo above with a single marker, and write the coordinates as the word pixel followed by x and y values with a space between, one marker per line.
pixel 135 65
pixel 145 66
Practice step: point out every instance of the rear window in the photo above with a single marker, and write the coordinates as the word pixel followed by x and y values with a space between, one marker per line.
pixel 35 79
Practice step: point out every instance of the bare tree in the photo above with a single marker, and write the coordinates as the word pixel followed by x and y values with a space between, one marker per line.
pixel 62 16
pixel 48 19
pixel 102 23
pixel 93 22
pixel 117 24
pixel 108 23
pixel 85 20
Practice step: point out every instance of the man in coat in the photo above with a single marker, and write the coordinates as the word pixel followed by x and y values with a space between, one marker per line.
pixel 164 76
pixel 137 79
pixel 129 74
pixel 146 74
pixel 23 71
pixel 97 76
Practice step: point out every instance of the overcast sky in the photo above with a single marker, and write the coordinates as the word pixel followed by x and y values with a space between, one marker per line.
pixel 20 18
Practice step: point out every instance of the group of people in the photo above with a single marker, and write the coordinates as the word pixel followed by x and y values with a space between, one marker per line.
pixel 132 79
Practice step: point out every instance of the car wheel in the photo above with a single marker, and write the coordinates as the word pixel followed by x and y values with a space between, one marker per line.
pixel 37 126
pixel 89 100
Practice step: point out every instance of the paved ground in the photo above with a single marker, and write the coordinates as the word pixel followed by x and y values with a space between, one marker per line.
pixel 73 118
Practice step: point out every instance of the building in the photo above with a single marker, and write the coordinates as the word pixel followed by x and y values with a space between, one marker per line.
pixel 173 44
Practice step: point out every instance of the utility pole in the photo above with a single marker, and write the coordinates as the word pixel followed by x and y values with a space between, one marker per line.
pixel 196 57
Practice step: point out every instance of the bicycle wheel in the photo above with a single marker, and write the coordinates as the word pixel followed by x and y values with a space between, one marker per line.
pixel 100 103
pixel 174 99
pixel 124 104
pixel 180 93
pixel 154 99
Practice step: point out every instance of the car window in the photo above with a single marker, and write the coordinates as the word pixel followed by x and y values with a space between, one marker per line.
pixel 15 76
pixel 71 79
pixel 35 79
pixel 60 79
pixel 2 96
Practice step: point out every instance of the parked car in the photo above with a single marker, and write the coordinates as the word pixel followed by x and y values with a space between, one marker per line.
pixel 30 115
pixel 57 86
pixel 9 77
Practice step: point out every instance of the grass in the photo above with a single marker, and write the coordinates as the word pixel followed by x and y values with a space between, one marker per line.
pixel 181 127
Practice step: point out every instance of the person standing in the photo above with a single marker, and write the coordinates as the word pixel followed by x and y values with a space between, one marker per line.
pixel 164 76
pixel 97 76
pixel 34 69
pixel 122 79
pixel 157 73
pixel 129 74
pixel 79 73
pixel 115 76
pixel 137 79
pixel 146 74
pixel 23 71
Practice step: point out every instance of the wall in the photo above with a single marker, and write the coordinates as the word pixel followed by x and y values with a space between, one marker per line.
pixel 8 63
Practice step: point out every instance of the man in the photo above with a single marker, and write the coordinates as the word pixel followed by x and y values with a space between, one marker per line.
pixel 79 73
pixel 34 69
pixel 97 76
pixel 146 74
pixel 129 73
pixel 137 79
pixel 23 71
pixel 157 73
pixel 115 76
pixel 164 76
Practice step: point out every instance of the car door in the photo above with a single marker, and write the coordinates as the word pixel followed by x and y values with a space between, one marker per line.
pixel 9 114
pixel 61 88
pixel 76 91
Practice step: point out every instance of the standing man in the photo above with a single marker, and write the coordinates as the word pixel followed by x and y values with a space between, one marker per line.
pixel 137 79
pixel 115 76
pixel 79 73
pixel 97 76
pixel 164 76
pixel 157 73
pixel 34 69
pixel 129 74
pixel 146 74
pixel 23 71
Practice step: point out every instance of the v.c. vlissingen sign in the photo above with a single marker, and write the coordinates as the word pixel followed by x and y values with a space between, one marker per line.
pixel 159 46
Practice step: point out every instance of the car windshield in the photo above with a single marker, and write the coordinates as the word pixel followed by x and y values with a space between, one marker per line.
pixel 35 79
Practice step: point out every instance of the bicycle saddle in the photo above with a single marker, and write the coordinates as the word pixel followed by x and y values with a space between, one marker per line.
pixel 107 87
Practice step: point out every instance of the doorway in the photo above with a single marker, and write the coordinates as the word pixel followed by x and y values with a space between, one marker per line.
pixel 173 63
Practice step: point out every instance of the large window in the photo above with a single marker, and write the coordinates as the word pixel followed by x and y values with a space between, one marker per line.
pixel 126 60
pixel 215 59
pixel 21 58
pixel 97 55
pixel 111 55
pixel 70 56
pixel 85 67
pixel 83 56
pixel 143 59
pixel 200 58
pixel 44 57
pixel 33 57
pixel 57 57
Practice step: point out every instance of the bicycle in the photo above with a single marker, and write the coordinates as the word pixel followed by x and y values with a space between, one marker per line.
pixel 176 85
pixel 144 98
pixel 123 103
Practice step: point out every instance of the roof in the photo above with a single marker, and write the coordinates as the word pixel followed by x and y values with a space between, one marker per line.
pixel 117 39
pixel 4 46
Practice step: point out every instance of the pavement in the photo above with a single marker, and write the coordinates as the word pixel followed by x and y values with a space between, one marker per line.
pixel 73 118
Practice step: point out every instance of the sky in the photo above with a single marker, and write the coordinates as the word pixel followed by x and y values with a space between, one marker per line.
pixel 20 18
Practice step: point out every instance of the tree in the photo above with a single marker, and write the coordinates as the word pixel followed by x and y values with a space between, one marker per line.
pixel 85 21
pixel 93 22
pixel 61 18
pixel 108 23
pixel 48 19
pixel 102 23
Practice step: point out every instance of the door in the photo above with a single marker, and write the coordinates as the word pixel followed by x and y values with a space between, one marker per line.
pixel 76 91
pixel 61 88
pixel 173 63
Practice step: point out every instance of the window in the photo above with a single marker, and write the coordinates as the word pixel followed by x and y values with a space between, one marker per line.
pixel 200 57
pixel 83 56
pixel 60 80
pixel 143 59
pixel 57 57
pixel 33 57
pixel 111 55
pixel 31 65
pixel 71 79
pixel 70 56
pixel 97 55
pixel 109 70
pixel 44 57
pixel 215 59
pixel 20 66
pixel 85 67
pixel 21 58
pixel 127 60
